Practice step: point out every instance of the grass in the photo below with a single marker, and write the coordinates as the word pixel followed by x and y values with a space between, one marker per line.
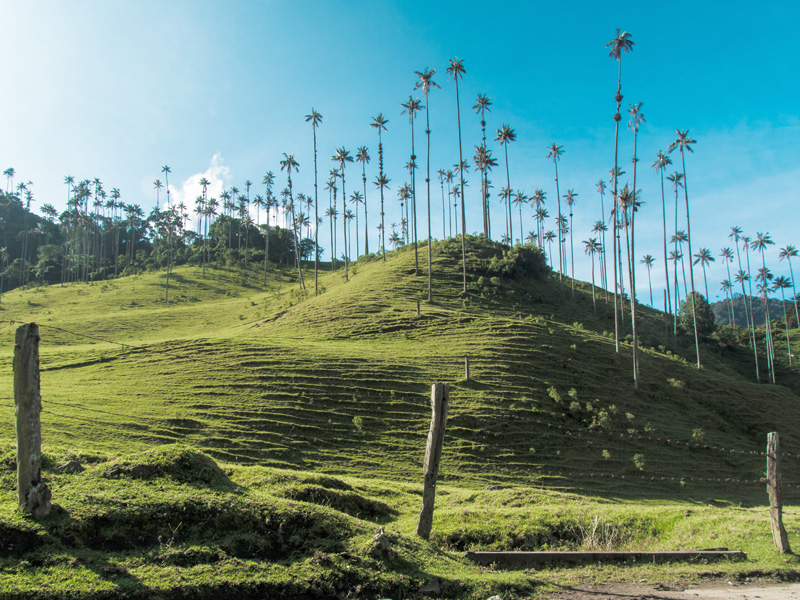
pixel 318 407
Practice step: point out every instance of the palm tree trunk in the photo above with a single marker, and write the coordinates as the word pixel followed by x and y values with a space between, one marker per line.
pixel 668 308
pixel 428 185
pixel 461 176
pixel 691 270
pixel 316 219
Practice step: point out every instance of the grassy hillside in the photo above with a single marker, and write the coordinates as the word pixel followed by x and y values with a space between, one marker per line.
pixel 280 387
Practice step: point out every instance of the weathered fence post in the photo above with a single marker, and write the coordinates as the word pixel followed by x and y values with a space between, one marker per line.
pixel 418 312
pixel 440 399
pixel 34 495
pixel 775 490
pixel 466 368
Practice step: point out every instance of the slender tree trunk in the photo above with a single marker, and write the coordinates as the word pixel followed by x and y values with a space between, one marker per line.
pixel 461 176
pixel 316 218
pixel 691 270
pixel 428 185
pixel 664 222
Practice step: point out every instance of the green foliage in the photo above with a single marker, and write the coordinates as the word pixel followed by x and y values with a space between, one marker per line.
pixel 705 316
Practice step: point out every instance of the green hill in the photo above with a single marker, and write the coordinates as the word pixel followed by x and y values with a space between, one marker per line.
pixel 285 391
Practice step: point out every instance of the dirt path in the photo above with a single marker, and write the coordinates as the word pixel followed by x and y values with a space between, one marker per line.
pixel 719 591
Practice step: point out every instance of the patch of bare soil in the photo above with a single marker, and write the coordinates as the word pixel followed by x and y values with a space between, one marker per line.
pixel 678 591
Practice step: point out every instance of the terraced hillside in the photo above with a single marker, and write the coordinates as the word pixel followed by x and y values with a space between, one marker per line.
pixel 339 382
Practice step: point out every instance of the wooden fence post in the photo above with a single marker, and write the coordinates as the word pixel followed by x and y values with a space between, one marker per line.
pixel 34 495
pixel 466 368
pixel 775 490
pixel 440 399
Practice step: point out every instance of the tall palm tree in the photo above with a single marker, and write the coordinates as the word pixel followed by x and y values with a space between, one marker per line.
pixel 592 247
pixel 157 185
pixel 555 151
pixel 342 156
pixel 548 238
pixel 9 175
pixel 412 107
pixel 635 122
pixel 741 277
pixel 727 256
pixel 788 253
pixel 620 44
pixel 381 181
pixel 570 198
pixel 456 71
pixel 315 119
pixel 676 179
pixel 362 156
pixel 166 170
pixel 781 283
pixel 661 163
pixel 727 287
pixel 425 83
pixel 506 135
pixel 760 243
pixel 288 164
pixel 684 143
pixel 268 181
pixel 482 105
pixel 601 189
pixel 520 199
pixel 704 258
pixel 69 181
pixel 647 261
pixel 355 199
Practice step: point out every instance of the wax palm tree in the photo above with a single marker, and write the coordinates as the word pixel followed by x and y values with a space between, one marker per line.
pixel 362 156
pixel 741 277
pixel 548 238
pixel 412 107
pixel 456 71
pixel 661 163
pixel 506 135
pixel 482 105
pixel 683 143
pixel 537 202
pixel 555 151
pixel 166 171
pixel 332 212
pixel 704 258
pixel 9 175
pixel 570 198
pixel 441 175
pixel 676 256
pixel 342 156
pixel 676 179
pixel 727 287
pixel 520 199
pixel 425 83
pixel 404 195
pixel 270 201
pixel 592 247
pixel 760 243
pixel 381 181
pixel 619 45
pixel 600 229
pixel 355 199
pixel 288 164
pixel 788 253
pixel 601 189
pixel 727 256
pixel 648 261
pixel 505 199
pixel 157 185
pixel 763 278
pixel 315 119
pixel 782 283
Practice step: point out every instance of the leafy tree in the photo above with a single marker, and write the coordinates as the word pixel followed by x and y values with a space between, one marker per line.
pixel 703 325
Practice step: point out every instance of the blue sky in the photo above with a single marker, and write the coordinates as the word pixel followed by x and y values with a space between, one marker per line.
pixel 114 90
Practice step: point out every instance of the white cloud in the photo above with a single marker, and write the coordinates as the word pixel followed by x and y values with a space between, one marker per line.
pixel 217 174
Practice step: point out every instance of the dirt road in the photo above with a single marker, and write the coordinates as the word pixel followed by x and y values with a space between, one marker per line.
pixel 718 591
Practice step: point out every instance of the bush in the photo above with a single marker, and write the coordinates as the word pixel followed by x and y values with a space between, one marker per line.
pixel 705 316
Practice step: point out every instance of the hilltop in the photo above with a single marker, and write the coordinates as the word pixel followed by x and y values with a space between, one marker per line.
pixel 328 395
